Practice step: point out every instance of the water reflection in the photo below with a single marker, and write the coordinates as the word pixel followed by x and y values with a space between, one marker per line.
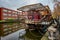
pixel 15 35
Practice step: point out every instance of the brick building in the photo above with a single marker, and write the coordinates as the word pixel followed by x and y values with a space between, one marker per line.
pixel 6 13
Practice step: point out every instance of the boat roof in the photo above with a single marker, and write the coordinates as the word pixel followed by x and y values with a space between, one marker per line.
pixel 29 7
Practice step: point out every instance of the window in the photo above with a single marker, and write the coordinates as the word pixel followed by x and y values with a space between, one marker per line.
pixel 9 14
pixel 4 14
pixel 9 11
pixel 9 28
pixel 13 15
pixel 4 10
pixel 16 13
pixel 5 18
pixel 5 33
pixel 20 13
pixel 5 29
pixel 5 25
pixel 10 31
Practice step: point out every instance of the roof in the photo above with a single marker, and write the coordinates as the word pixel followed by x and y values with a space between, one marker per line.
pixel 9 9
pixel 28 7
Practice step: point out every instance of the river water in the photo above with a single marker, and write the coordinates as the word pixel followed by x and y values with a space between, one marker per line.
pixel 15 35
pixel 19 35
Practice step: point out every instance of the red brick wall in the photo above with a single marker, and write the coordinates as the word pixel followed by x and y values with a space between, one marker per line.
pixel 8 13
pixel 0 13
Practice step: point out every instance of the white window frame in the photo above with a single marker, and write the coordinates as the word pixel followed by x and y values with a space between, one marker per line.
pixel 4 10
pixel 9 14
pixel 9 11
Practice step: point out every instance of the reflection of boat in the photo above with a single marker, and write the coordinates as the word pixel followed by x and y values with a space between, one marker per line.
pixel 36 28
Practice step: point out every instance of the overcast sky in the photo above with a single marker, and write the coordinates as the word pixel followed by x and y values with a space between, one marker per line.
pixel 14 4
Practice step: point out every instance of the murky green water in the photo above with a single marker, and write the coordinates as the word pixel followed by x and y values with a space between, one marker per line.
pixel 35 36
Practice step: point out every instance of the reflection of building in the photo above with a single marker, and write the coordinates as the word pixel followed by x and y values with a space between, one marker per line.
pixel 8 13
